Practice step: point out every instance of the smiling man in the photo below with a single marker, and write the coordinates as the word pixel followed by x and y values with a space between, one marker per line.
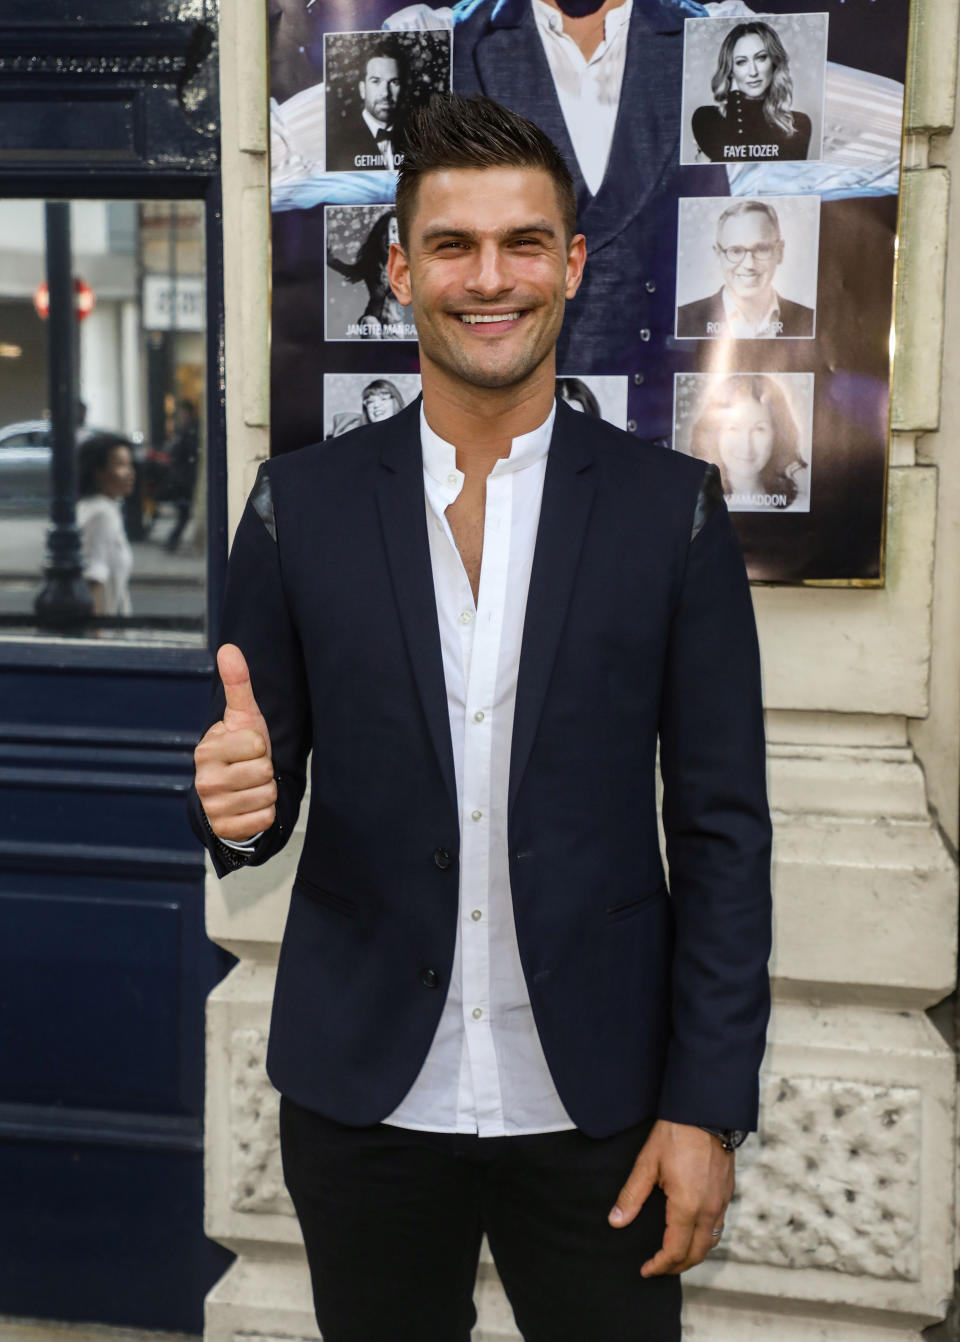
pixel 491 1016
pixel 749 248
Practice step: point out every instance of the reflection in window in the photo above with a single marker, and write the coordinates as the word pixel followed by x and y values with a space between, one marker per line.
pixel 140 416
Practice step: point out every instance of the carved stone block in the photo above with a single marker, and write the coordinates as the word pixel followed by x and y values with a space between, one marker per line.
pixel 256 1177
pixel 832 1182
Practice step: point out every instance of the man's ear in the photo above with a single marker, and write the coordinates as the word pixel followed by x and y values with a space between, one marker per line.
pixel 362 90
pixel 576 260
pixel 398 273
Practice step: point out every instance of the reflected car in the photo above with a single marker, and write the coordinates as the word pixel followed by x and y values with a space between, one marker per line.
pixel 25 454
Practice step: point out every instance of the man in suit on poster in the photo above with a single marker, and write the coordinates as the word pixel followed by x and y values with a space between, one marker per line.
pixel 490 1014
pixel 749 248
pixel 367 138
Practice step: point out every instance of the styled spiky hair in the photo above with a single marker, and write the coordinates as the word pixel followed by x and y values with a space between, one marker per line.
pixel 456 132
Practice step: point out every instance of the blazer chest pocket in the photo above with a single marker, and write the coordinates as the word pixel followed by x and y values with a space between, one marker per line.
pixel 338 903
pixel 626 909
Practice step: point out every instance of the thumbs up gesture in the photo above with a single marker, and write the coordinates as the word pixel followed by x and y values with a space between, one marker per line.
pixel 234 768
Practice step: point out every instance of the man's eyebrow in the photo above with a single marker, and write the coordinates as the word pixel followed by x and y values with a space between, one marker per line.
pixel 540 226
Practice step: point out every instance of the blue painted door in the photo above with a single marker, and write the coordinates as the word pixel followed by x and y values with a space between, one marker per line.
pixel 104 963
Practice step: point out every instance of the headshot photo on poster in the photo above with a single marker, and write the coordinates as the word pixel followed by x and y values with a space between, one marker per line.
pixel 360 305
pixel 753 89
pixel 597 395
pixel 756 428
pixel 747 267
pixel 373 81
pixel 351 400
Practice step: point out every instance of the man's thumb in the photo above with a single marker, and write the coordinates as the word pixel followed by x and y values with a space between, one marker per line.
pixel 232 666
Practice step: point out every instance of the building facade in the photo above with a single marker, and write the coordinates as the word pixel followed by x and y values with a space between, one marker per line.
pixel 844 1222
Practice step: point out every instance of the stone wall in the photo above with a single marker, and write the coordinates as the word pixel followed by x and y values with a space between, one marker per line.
pixel 843 1228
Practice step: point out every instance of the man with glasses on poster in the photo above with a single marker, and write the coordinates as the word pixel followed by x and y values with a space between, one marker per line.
pixel 749 248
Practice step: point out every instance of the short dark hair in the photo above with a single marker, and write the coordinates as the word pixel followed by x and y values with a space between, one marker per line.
pixel 387 50
pixel 456 132
pixel 93 457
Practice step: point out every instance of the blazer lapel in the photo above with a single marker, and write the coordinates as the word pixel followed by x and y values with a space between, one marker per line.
pixel 400 500
pixel 568 490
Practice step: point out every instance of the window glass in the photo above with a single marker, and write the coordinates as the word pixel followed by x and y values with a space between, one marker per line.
pixel 140 424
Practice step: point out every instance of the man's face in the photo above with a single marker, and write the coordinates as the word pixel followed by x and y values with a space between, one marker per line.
pixel 749 249
pixel 488 270
pixel 380 88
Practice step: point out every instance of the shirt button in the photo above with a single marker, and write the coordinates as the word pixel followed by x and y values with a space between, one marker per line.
pixel 476 915
pixel 466 616
pixel 476 815
pixel 452 478
pixel 478 716
pixel 476 1013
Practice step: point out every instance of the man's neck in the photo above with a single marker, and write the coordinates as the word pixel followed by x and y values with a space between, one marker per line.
pixel 587 32
pixel 754 307
pixel 374 126
pixel 482 422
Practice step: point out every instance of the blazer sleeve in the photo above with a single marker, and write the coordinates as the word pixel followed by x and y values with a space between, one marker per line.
pixel 256 617
pixel 718 834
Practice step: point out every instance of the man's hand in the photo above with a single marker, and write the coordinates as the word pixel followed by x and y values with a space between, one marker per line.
pixel 697 1176
pixel 234 768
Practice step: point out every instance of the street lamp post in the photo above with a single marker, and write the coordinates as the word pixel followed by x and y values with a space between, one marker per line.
pixel 64 601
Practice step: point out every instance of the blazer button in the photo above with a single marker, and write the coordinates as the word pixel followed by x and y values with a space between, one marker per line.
pixel 442 859
pixel 429 978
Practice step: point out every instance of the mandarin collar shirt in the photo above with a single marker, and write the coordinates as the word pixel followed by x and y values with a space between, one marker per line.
pixel 588 90
pixel 485 1072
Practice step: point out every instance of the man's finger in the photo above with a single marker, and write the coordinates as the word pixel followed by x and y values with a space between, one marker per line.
pixel 240 828
pixel 243 803
pixel 222 746
pixel 634 1193
pixel 673 1253
pixel 235 675
pixel 702 1242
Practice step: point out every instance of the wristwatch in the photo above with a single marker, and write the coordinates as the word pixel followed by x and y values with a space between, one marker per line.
pixel 729 1138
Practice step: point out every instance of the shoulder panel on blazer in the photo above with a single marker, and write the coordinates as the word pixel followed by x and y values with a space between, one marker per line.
pixel 262 499
pixel 708 500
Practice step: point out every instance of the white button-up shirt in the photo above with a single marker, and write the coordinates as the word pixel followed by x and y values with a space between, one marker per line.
pixel 485 1072
pixel 588 90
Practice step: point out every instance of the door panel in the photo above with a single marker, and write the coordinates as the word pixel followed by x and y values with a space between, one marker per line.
pixel 104 963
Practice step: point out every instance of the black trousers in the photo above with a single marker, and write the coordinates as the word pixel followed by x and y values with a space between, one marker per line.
pixel 392 1221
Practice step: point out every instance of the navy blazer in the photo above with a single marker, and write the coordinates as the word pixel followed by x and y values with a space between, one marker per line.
pixel 639 624
pixel 622 319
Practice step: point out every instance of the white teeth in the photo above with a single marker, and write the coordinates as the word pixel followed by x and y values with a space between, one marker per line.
pixel 472 318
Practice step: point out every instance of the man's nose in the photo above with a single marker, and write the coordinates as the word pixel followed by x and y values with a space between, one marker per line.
pixel 489 275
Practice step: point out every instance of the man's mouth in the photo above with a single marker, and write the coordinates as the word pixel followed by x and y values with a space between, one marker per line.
pixel 476 318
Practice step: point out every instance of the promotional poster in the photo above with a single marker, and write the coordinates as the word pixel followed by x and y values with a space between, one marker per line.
pixel 737 171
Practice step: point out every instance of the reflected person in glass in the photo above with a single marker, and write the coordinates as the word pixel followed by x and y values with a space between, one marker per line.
pixel 106 478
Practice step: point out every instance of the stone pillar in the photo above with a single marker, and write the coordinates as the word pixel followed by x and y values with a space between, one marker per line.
pixel 843 1226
